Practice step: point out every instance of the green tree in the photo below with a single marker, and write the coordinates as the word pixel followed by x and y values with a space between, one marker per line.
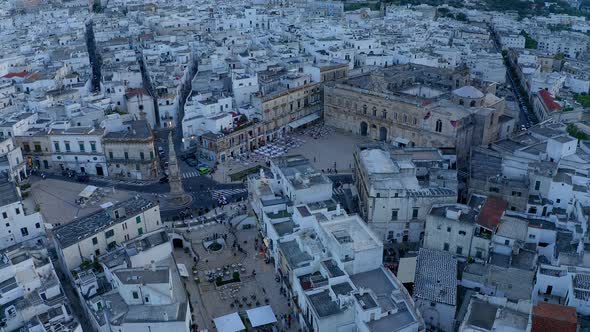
pixel 573 131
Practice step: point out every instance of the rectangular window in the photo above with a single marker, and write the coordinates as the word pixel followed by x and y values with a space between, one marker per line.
pixel 126 155
pixel 109 233
pixel 448 229
pixel 56 146
pixel 459 250
pixel 479 253
pixel 462 233
pixel 110 154
pixel 141 156
pixel 446 247
pixel 27 147
pixel 67 146
pixel 37 225
pixel 140 231
pixel 537 185
pixel 37 146
pixel 17 210
pixel 24 231
pixel 97 252
pixel 82 147
pixel 394 214
pixel 95 240
pixel 415 213
pixel 151 155
pixel 137 168
pixel 135 295
pixel 124 226
pixel 4 215
pixel 138 219
pixel 93 146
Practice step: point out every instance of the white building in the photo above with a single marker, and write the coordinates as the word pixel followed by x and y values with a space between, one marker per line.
pixel 564 285
pixel 147 292
pixel 79 149
pixel 512 41
pixel 18 225
pixel 91 236
pixel 397 188
pixel 243 85
pixel 31 295
pixel 140 104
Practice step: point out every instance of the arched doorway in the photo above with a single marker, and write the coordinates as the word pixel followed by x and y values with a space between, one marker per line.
pixel 364 128
pixel 382 134
pixel 177 243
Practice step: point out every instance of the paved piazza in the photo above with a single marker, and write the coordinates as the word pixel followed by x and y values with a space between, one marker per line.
pixel 322 145
pixel 57 199
pixel 210 301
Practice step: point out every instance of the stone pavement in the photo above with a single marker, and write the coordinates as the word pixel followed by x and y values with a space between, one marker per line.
pixel 56 199
pixel 209 301
pixel 332 150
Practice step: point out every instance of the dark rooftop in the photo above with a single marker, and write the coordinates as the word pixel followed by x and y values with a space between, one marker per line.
pixel 323 304
pixel 482 314
pixel 93 223
pixel 8 193
pixel 137 130
pixel 332 268
pixel 342 289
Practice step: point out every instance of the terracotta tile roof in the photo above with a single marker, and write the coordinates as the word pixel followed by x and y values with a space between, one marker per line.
pixel 20 74
pixel 492 212
pixel 549 101
pixel 549 317
pixel 136 92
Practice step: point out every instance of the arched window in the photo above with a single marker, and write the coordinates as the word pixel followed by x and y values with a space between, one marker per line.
pixel 472 103
pixel 395 116
pixel 374 111
pixel 405 118
pixel 461 102
pixel 384 114
pixel 365 109
pixel 415 121
pixel 438 128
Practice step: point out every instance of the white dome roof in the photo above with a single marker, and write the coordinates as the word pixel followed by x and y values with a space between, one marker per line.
pixel 468 92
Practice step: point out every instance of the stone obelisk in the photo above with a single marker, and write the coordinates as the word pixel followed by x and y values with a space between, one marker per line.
pixel 177 198
pixel 173 171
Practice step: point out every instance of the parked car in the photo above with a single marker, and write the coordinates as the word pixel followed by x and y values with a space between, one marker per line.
pixel 204 170
pixel 164 179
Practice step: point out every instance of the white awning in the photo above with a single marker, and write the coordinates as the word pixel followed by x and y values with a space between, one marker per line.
pixel 402 140
pixel 406 271
pixel 304 120
pixel 106 205
pixel 182 270
pixel 88 191
pixel 261 316
pixel 229 323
